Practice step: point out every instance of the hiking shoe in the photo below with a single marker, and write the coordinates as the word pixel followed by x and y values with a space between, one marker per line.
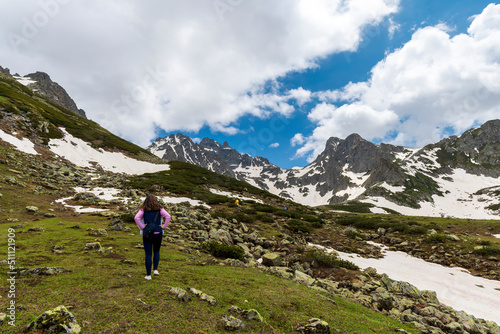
pixel 156 272
pixel 148 278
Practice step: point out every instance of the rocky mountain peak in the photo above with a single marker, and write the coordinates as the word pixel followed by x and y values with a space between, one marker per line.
pixel 45 86
pixel 53 91
pixel 5 71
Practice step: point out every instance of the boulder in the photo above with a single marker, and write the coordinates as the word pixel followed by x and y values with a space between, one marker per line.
pixel 271 260
pixel 99 232
pixel 32 209
pixel 93 246
pixel 303 278
pixel 383 300
pixel 250 314
pixel 203 296
pixel 231 323
pixel 58 320
pixel 181 294
pixel 314 325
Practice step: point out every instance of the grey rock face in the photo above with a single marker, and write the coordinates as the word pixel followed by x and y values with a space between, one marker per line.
pixel 54 92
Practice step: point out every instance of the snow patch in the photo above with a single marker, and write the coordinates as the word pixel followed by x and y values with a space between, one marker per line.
pixel 378 210
pixel 82 154
pixel 78 208
pixel 391 188
pixel 24 80
pixel 229 194
pixel 460 199
pixel 23 145
pixel 455 287
pixel 497 236
pixel 193 202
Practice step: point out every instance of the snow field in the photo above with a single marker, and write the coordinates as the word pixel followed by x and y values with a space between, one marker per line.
pixel 455 287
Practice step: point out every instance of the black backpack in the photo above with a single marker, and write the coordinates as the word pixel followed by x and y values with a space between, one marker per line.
pixel 151 228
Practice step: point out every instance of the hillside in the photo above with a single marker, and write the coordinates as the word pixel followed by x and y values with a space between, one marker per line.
pixel 69 190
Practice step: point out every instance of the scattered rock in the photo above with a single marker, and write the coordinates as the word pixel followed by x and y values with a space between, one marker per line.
pixel 93 246
pixel 32 209
pixel 231 323
pixel 181 294
pixel 58 320
pixel 250 314
pixel 99 232
pixel 46 271
pixel 271 260
pixel 203 296
pixel 314 325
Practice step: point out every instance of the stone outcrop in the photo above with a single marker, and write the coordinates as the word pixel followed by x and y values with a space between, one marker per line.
pixel 58 320
pixel 53 91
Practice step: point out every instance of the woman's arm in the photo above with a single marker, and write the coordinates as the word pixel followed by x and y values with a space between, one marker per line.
pixel 166 215
pixel 138 217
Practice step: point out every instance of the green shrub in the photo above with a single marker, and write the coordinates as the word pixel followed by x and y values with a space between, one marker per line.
pixel 322 259
pixel 219 214
pixel 265 218
pixel 494 207
pixel 127 218
pixel 243 218
pixel 488 250
pixel 354 207
pixel 354 235
pixel 483 242
pixel 264 208
pixel 297 225
pixel 220 250
pixel 436 239
pixel 417 230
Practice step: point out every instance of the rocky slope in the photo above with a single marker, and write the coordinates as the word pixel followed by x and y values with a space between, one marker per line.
pixel 457 176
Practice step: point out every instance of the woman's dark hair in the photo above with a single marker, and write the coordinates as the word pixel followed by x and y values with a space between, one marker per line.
pixel 151 203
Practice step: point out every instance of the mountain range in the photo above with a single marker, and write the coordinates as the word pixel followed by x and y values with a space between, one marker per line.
pixel 457 176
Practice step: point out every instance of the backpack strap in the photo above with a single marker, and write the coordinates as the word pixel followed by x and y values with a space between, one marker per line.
pixel 156 216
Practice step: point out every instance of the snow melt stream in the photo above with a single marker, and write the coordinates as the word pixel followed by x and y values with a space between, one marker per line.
pixel 455 287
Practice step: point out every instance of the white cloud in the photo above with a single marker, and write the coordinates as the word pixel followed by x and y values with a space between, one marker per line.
pixel 298 139
pixel 274 145
pixel 180 65
pixel 434 83
pixel 393 27
pixel 343 121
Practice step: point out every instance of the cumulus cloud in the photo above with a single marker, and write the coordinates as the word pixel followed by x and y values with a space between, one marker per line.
pixel 433 84
pixel 274 145
pixel 140 66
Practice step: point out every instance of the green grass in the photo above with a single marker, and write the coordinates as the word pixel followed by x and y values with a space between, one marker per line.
pixel 103 293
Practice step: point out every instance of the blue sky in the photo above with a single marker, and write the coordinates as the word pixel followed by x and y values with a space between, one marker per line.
pixel 336 71
pixel 272 78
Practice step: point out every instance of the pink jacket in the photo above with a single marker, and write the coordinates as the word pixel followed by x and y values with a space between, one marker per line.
pixel 138 218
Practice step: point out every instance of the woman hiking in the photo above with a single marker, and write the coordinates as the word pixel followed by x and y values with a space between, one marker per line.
pixel 152 213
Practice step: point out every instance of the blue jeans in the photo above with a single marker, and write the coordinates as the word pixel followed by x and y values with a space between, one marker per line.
pixel 152 250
